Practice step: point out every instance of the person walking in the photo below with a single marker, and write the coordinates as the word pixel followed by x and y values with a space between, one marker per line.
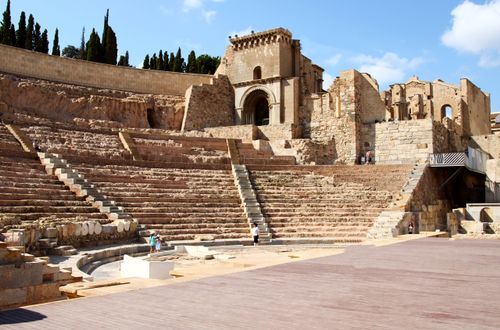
pixel 255 234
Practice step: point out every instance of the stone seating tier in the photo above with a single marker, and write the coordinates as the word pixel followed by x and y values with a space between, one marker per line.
pixel 28 192
pixel 176 203
pixel 336 202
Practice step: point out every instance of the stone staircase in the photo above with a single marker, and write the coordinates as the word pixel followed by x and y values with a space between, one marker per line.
pixel 76 182
pixel 395 220
pixel 250 203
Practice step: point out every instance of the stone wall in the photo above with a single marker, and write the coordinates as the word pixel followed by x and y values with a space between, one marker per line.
pixel 478 104
pixel 67 103
pixel 446 139
pixel 243 132
pixel 209 105
pixel 84 73
pixel 403 142
pixel 276 132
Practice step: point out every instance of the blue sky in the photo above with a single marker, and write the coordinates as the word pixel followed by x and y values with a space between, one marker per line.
pixel 390 39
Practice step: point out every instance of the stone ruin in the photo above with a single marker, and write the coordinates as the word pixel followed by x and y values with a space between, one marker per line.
pixel 126 152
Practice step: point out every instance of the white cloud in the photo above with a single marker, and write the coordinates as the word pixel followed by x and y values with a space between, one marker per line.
pixel 389 68
pixel 334 60
pixel 209 15
pixel 327 80
pixel 241 33
pixel 188 5
pixel 476 29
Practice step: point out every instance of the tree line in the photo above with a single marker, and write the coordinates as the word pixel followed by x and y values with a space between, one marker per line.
pixel 28 36
pixel 101 49
pixel 176 63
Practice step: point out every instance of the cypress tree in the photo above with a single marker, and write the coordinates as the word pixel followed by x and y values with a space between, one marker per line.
pixel 178 61
pixel 12 35
pixel 94 48
pixel 29 33
pixel 191 64
pixel 21 31
pixel 165 62
pixel 145 64
pixel 83 49
pixel 37 38
pixel 171 62
pixel 5 35
pixel 159 62
pixel 105 30
pixel 127 58
pixel 45 42
pixel 124 60
pixel 153 61
pixel 110 49
pixel 56 50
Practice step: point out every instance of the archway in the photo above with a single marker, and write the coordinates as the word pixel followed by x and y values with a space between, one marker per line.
pixel 256 108
pixel 447 111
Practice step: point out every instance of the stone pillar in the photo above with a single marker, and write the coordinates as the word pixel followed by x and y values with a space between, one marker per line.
pixel 238 116
pixel 274 114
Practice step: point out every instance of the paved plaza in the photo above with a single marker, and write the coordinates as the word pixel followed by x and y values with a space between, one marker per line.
pixel 431 283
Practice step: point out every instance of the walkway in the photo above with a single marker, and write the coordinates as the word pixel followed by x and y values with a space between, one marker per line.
pixel 419 284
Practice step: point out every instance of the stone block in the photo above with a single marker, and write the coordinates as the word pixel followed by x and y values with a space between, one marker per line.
pixel 12 297
pixel 51 232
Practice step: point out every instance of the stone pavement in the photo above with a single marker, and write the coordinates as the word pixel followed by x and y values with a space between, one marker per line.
pixel 431 283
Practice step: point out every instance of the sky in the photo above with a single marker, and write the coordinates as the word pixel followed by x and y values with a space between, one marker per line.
pixel 392 40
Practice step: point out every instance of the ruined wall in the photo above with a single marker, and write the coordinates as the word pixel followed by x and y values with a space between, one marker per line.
pixel 65 103
pixel 403 142
pixel 446 139
pixel 84 73
pixel 209 105
pixel 428 204
pixel 371 107
pixel 478 105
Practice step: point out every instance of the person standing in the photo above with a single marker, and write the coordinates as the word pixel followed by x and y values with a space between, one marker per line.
pixel 152 243
pixel 255 234
pixel 157 244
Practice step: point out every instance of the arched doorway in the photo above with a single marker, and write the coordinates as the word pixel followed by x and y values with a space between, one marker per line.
pixel 256 108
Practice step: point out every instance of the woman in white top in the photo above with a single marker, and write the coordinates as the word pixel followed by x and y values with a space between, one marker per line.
pixel 255 234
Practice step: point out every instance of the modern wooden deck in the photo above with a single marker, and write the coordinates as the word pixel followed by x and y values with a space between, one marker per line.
pixel 419 284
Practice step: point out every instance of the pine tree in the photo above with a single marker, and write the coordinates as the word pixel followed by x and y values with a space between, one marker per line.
pixel 45 42
pixel 5 35
pixel 94 48
pixel 145 64
pixel 192 67
pixel 153 61
pixel 159 62
pixel 165 61
pixel 71 52
pixel 21 31
pixel 110 48
pixel 56 50
pixel 83 49
pixel 30 33
pixel 37 38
